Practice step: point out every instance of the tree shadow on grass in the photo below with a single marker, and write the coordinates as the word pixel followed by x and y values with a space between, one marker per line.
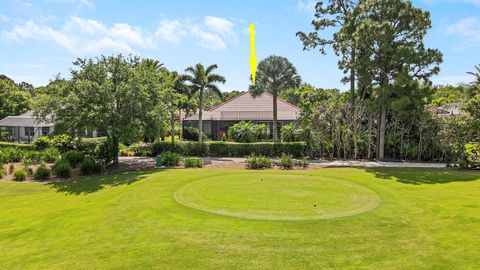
pixel 419 176
pixel 83 186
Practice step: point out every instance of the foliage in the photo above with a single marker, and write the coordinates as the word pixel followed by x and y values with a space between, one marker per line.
pixel 90 166
pixel 12 154
pixel 170 159
pixel 191 134
pixel 303 163
pixel 32 157
pixel 275 74
pixel 286 162
pixel 42 173
pixel 247 132
pixel 463 164
pixel 107 150
pixel 41 143
pixel 3 171
pixel 20 175
pixel 73 157
pixel 291 133
pixel 193 163
pixel 22 146
pixel 203 80
pixel 13 99
pixel 63 142
pixel 258 162
pixel 121 95
pixel 62 169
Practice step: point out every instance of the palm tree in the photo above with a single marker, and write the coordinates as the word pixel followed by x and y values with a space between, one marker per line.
pixel 274 75
pixel 476 74
pixel 203 79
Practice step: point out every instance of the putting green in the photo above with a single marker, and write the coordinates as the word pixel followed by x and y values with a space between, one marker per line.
pixel 277 196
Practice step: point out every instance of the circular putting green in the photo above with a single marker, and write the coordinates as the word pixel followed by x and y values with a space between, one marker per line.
pixel 277 196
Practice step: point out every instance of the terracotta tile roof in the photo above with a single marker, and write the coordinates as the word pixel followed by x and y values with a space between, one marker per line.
pixel 246 107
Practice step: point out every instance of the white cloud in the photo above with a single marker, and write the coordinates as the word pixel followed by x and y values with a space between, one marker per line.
pixel 219 25
pixel 468 30
pixel 212 34
pixel 208 40
pixel 80 35
pixel 171 31
pixel 306 5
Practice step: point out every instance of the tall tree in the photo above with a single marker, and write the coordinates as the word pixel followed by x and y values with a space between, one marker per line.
pixel 13 100
pixel 203 79
pixel 390 36
pixel 336 14
pixel 121 95
pixel 275 74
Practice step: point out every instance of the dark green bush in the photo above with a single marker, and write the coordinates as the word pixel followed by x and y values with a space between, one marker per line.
pixel 20 175
pixel 193 163
pixel 50 155
pixel 170 159
pixel 89 166
pixel 303 163
pixel 62 169
pixel 42 173
pixel 32 157
pixel 22 146
pixel 462 163
pixel 286 162
pixel 160 147
pixel 107 150
pixel 64 143
pixel 73 157
pixel 13 154
pixel 3 172
pixel 258 162
pixel 247 132
pixel 194 149
pixel 89 145
pixel 41 143
pixel 191 134
pixel 291 133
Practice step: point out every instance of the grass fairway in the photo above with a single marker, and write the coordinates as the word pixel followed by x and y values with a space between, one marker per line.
pixel 224 219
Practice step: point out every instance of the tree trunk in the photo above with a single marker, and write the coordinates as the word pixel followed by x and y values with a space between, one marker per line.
pixel 115 144
pixel 181 122
pixel 352 80
pixel 200 117
pixel 381 132
pixel 275 135
pixel 172 126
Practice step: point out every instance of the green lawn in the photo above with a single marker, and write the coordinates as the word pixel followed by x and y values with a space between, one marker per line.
pixel 225 219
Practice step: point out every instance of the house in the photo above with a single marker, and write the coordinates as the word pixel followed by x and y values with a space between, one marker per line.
pixel 244 108
pixel 448 109
pixel 23 127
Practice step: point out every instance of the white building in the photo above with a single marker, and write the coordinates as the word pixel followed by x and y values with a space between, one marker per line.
pixel 24 127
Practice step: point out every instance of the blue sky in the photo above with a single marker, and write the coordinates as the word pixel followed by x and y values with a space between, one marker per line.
pixel 41 38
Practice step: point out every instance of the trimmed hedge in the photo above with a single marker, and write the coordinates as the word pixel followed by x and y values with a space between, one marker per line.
pixel 229 149
pixel 22 146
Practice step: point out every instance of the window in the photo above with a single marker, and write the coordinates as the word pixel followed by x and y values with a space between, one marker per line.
pixel 45 130
pixel 29 132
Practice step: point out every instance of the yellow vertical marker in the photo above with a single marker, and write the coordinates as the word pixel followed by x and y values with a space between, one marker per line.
pixel 253 58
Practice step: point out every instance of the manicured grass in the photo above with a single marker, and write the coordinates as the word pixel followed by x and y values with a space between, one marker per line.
pixel 422 219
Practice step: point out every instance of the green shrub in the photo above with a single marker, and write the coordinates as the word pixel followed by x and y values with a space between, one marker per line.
pixel 63 143
pixel 290 133
pixel 247 132
pixel 13 154
pixel 89 166
pixel 73 157
pixel 170 159
pixel 62 169
pixel 286 162
pixel 51 155
pixel 194 149
pixel 303 163
pixel 258 162
pixel 140 149
pixel 89 145
pixel 22 146
pixel 20 175
pixel 41 143
pixel 462 163
pixel 3 172
pixel 107 150
pixel 42 173
pixel 3 156
pixel 32 157
pixel 191 134
pixel 193 163
pixel 160 147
